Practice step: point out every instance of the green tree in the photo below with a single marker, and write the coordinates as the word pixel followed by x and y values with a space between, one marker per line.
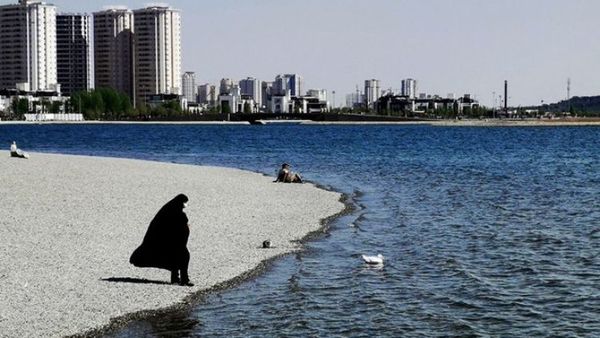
pixel 55 107
pixel 247 107
pixel 20 107
pixel 225 108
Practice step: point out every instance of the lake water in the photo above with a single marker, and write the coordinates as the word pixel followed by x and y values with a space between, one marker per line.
pixel 485 231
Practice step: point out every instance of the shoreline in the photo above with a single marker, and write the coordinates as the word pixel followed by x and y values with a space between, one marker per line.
pixel 224 242
pixel 195 298
pixel 443 123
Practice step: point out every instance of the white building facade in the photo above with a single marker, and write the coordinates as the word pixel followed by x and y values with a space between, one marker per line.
pixel 190 90
pixel 157 51
pixel 372 93
pixel 28 46
pixel 409 88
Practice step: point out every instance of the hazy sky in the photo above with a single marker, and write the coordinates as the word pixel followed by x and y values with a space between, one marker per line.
pixel 449 46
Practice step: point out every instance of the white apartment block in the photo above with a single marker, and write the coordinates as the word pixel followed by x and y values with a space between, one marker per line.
pixel 113 50
pixel 28 46
pixel 371 93
pixel 157 51
pixel 409 88
pixel 190 91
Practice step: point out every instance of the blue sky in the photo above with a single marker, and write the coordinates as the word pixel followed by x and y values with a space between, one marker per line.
pixel 449 46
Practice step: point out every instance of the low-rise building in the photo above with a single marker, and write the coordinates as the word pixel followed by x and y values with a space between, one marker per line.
pixel 37 102
pixel 409 106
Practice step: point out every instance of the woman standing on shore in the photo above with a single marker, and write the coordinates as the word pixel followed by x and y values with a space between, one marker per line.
pixel 165 243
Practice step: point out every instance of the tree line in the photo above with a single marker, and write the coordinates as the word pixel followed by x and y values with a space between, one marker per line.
pixel 97 104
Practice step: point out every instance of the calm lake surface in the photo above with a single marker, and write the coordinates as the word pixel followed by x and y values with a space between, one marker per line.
pixel 486 231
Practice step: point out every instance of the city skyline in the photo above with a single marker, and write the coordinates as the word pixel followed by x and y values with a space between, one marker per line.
pixel 458 47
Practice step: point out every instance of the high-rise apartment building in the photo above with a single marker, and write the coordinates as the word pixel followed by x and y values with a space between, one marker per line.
pixel 371 93
pixel 252 87
pixel 157 51
pixel 113 50
pixel 225 86
pixel 73 52
pixel 28 46
pixel 288 82
pixel 190 91
pixel 266 91
pixel 207 94
pixel 409 88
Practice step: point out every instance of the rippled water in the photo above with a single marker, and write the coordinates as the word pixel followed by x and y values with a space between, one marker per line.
pixel 486 231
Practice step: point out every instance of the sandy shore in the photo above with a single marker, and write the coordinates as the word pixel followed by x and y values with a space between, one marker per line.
pixel 68 225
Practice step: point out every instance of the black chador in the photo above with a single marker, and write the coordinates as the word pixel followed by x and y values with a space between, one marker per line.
pixel 165 243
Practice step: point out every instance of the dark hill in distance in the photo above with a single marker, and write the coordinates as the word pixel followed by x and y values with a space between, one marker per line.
pixel 580 105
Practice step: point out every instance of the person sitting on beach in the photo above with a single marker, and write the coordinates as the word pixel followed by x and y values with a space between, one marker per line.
pixel 16 152
pixel 285 175
pixel 165 243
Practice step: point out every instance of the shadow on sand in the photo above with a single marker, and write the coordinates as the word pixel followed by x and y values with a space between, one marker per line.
pixel 134 280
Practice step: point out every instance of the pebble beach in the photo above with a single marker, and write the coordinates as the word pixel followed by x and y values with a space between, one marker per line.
pixel 68 225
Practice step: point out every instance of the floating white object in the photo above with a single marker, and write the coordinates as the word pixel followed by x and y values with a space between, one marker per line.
pixel 373 259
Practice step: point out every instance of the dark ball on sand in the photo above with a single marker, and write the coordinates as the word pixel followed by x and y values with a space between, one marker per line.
pixel 266 244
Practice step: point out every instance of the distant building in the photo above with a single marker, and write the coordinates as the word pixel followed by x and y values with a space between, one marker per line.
pixel 320 95
pixel 207 94
pixel 288 82
pixel 371 93
pixel 73 52
pixel 113 50
pixel 39 102
pixel 225 86
pixel 203 93
pixel 425 104
pixel 409 88
pixel 355 100
pixel 280 104
pixel 308 105
pixel 252 87
pixel 28 46
pixel 266 93
pixel 157 51
pixel 190 91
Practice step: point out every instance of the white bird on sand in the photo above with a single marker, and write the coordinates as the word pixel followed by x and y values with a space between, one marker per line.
pixel 373 259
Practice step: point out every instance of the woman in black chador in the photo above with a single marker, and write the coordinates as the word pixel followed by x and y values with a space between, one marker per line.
pixel 165 243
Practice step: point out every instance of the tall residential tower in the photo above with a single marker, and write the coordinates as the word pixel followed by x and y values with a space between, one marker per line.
pixel 113 50
pixel 409 88
pixel 371 93
pixel 157 51
pixel 252 87
pixel 190 91
pixel 28 46
pixel 73 52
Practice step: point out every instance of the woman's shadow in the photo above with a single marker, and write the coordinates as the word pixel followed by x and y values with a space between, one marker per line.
pixel 134 280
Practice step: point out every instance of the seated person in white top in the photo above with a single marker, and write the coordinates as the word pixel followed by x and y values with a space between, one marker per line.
pixel 16 152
